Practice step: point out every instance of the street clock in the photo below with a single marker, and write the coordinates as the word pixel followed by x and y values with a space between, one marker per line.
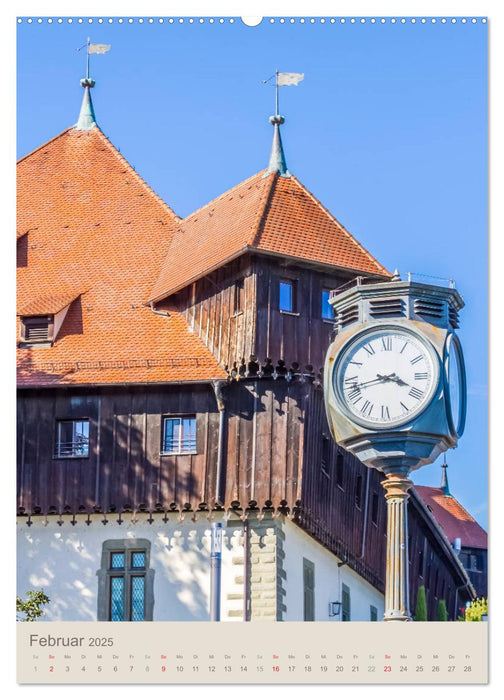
pixel 395 388
pixel 395 394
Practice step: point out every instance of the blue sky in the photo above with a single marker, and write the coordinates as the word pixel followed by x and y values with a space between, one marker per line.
pixel 388 130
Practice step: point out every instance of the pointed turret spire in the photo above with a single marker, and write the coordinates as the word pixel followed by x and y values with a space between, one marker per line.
pixel 277 163
pixel 87 117
pixel 444 480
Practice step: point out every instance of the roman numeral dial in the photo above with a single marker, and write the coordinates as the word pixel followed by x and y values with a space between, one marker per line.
pixel 385 377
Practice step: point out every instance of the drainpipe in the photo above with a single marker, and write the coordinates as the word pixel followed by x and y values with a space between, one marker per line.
pixel 159 313
pixel 98 454
pixel 246 569
pixel 215 571
pixel 218 386
pixel 364 527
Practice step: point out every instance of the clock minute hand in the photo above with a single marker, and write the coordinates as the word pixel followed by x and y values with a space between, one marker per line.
pixel 380 378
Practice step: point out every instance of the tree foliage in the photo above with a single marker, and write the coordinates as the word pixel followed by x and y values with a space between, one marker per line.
pixel 32 606
pixel 476 609
pixel 442 612
pixel 421 605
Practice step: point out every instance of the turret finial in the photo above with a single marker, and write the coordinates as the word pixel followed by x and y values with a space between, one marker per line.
pixel 444 480
pixel 277 163
pixel 87 117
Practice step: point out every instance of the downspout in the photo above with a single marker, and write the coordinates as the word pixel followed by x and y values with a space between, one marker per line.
pixel 98 453
pixel 246 569
pixel 366 508
pixel 218 386
pixel 158 313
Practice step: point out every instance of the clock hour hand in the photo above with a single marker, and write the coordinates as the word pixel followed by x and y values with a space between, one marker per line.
pixel 394 378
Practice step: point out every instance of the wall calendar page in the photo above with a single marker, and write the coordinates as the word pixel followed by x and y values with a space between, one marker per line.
pixel 251 350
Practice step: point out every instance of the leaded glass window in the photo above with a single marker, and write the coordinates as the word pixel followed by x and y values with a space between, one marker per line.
pixel 125 583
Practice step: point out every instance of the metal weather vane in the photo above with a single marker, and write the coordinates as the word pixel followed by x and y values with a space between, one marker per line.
pixel 283 80
pixel 93 49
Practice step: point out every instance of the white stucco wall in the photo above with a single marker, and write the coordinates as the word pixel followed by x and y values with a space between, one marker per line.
pixel 63 561
pixel 328 580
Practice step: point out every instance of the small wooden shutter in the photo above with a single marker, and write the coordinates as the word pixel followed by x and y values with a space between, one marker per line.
pixel 345 603
pixel 309 590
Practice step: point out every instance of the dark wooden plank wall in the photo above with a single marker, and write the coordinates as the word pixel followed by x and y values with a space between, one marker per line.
pixel 209 308
pixel 275 435
pixel 330 513
pixel 261 329
pixel 329 508
pixel 430 567
pixel 125 468
pixel 302 337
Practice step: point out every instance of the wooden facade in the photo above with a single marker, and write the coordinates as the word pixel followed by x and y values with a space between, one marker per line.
pixel 259 329
pixel 277 452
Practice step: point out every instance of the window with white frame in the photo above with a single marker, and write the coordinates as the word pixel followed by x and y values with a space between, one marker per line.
pixel 72 438
pixel 179 434
pixel 287 296
pixel 327 311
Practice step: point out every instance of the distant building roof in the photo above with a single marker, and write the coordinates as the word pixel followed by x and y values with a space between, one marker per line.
pixel 95 226
pixel 267 212
pixel 453 519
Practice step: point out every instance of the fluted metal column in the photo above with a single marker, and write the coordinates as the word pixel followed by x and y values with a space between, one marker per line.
pixel 397 578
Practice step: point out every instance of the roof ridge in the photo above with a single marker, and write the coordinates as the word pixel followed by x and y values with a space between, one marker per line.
pixel 123 160
pixel 221 196
pixel 46 143
pixel 263 205
pixel 340 225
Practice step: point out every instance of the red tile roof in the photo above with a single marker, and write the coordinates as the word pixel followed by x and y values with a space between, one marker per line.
pixel 94 225
pixel 273 214
pixel 48 304
pixel 453 519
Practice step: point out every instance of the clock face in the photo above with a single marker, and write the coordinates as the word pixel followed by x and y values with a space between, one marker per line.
pixel 385 377
pixel 455 385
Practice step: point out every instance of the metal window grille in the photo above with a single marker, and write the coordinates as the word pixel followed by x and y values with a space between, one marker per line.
pixel 179 435
pixel 72 438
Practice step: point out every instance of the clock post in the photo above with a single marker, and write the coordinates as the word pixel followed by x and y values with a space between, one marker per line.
pixel 395 394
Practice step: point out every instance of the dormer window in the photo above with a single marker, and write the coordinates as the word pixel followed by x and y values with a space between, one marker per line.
pixel 37 329
pixel 42 317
